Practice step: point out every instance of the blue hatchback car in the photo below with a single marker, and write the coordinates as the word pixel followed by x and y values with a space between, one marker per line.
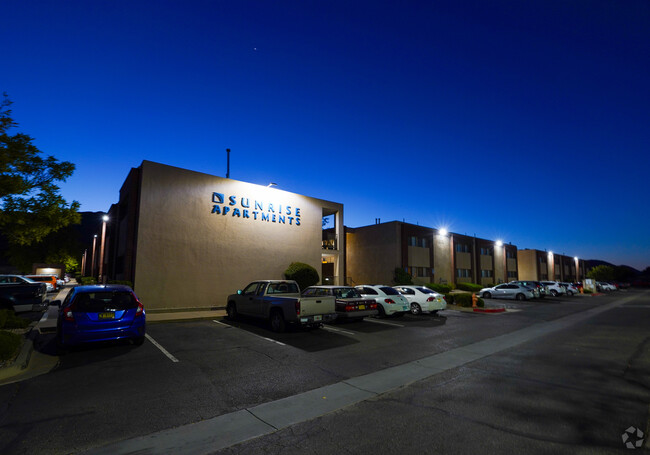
pixel 100 313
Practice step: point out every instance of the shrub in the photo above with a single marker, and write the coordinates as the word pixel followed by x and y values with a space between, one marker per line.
pixel 440 288
pixel 465 300
pixel 449 298
pixel 84 280
pixel 9 345
pixel 470 287
pixel 9 320
pixel 303 274
pixel 125 283
pixel 401 276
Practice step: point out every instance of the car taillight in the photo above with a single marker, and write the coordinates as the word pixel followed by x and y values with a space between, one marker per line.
pixel 140 310
pixel 67 313
pixel 350 308
pixel 297 307
pixel 373 306
pixel 444 297
pixel 430 299
pixel 389 301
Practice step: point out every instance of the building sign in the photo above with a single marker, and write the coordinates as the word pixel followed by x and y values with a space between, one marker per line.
pixel 252 209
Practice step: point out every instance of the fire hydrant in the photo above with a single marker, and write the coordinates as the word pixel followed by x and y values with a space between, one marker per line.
pixel 474 300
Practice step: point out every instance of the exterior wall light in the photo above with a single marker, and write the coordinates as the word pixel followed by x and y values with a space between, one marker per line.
pixel 442 232
pixel 105 218
pixel 499 243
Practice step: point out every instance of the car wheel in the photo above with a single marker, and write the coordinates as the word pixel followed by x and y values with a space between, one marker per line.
pixel 381 312
pixel 231 311
pixel 415 308
pixel 569 293
pixel 277 322
pixel 487 295
pixel 553 292
pixel 138 341
pixel 521 297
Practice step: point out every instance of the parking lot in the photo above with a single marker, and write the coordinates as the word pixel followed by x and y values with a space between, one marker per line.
pixel 191 371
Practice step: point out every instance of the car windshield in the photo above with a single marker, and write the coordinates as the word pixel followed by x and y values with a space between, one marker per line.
pixel 346 293
pixel 92 302
pixel 389 291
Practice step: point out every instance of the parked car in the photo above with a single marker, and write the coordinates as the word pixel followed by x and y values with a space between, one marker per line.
pixel 22 294
pixel 508 291
pixel 541 289
pixel 602 286
pixel 390 302
pixel 100 313
pixel 422 299
pixel 348 301
pixel 49 280
pixel 570 288
pixel 280 303
pixel 554 287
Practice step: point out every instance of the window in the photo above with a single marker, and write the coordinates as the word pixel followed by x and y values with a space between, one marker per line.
pixel 462 273
pixel 486 273
pixel 413 241
pixel 422 271
pixel 486 251
pixel 406 291
pixel 462 248
pixel 423 243
pixel 510 254
pixel 512 274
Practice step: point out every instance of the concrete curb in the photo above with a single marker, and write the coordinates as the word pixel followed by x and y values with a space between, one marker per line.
pixel 21 362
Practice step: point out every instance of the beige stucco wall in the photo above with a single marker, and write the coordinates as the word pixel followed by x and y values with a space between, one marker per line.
pixel 527 260
pixel 499 264
pixel 442 259
pixel 463 260
pixel 373 252
pixel 190 257
pixel 419 256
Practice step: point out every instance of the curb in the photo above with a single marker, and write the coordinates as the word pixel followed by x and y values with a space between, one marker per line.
pixel 489 310
pixel 21 362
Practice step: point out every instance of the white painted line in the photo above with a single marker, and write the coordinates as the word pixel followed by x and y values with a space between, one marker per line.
pixel 163 350
pixel 332 329
pixel 375 321
pixel 251 333
pixel 228 326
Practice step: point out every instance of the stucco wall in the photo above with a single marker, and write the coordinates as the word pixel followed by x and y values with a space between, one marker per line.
pixel 527 260
pixel 373 252
pixel 190 257
pixel 443 271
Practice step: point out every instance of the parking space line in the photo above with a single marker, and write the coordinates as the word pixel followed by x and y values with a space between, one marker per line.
pixel 163 350
pixel 332 329
pixel 375 321
pixel 254 334
pixel 228 326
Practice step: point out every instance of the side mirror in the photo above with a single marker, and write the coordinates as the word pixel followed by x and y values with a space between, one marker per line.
pixel 239 291
pixel 56 303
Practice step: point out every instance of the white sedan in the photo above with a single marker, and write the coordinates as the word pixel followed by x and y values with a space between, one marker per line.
pixel 390 302
pixel 422 299
pixel 508 291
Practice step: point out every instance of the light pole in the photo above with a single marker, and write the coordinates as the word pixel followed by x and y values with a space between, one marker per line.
pixel 83 262
pixel 92 264
pixel 101 252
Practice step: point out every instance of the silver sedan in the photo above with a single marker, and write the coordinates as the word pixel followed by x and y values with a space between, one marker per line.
pixel 508 291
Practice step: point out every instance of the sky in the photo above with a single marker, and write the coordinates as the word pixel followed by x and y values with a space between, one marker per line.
pixel 527 122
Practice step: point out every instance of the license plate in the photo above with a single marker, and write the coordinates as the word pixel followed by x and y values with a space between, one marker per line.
pixel 362 307
pixel 318 318
pixel 106 315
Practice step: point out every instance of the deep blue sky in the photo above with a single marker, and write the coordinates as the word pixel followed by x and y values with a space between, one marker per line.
pixel 527 121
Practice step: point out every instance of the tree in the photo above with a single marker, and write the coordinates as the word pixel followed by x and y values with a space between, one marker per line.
pixel 303 274
pixel 601 273
pixel 30 204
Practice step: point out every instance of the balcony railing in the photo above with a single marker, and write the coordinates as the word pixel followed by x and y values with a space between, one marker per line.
pixel 330 242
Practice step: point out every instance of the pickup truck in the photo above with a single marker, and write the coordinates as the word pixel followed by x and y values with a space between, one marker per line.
pixel 280 303
pixel 21 294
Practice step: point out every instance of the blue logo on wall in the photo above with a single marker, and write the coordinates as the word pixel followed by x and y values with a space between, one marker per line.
pixel 243 207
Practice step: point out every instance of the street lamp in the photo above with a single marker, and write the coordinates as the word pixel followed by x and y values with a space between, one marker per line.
pixel 92 264
pixel 101 253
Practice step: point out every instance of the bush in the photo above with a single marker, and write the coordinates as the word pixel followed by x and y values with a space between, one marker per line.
pixel 469 287
pixel 465 300
pixel 125 283
pixel 449 298
pixel 84 280
pixel 303 274
pixel 9 320
pixel 440 288
pixel 402 277
pixel 9 345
